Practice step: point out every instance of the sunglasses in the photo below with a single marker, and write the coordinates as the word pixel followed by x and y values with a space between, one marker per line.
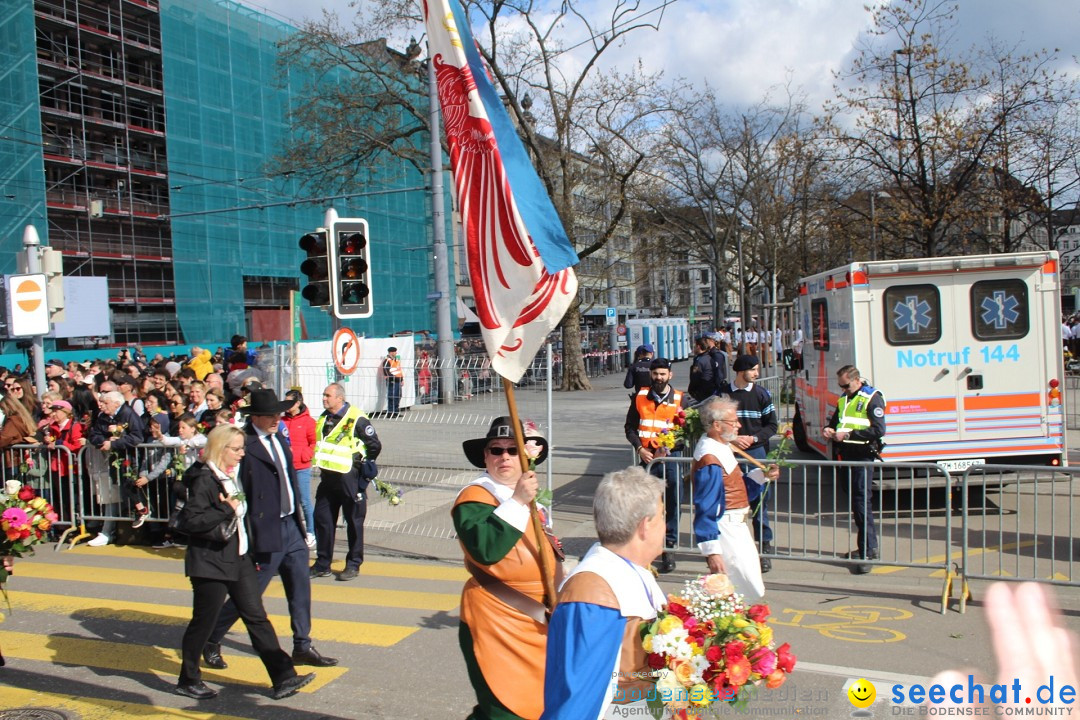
pixel 498 451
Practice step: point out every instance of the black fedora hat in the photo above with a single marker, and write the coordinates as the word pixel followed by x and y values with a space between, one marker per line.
pixel 500 429
pixel 265 402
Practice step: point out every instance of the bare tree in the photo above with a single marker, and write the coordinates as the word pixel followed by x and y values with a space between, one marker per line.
pixel 912 114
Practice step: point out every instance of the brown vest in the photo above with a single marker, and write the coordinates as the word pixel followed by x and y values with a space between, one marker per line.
pixel 734 486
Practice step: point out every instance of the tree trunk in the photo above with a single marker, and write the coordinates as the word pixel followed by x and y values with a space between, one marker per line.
pixel 574 377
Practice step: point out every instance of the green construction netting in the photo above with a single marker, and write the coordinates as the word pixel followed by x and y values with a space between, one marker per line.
pixel 226 105
pixel 22 181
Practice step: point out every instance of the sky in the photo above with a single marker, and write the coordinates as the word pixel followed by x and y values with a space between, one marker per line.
pixel 743 48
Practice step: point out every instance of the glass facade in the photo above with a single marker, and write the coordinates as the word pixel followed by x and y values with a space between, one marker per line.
pixel 137 137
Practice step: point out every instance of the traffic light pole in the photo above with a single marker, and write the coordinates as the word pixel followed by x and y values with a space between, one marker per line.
pixel 31 244
pixel 439 250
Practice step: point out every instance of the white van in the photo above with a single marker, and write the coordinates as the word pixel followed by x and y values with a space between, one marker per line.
pixel 965 350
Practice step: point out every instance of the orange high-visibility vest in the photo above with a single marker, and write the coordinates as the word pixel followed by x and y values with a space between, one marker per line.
pixel 655 418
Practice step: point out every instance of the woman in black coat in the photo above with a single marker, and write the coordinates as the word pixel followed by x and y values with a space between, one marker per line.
pixel 217 568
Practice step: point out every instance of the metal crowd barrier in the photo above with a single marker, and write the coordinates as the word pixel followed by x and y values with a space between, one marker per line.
pixel 1026 515
pixel 50 472
pixel 107 493
pixel 810 513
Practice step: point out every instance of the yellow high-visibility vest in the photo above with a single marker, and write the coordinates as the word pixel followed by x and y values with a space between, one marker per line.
pixel 335 451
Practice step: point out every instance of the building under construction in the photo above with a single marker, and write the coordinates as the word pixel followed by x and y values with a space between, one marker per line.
pixel 135 135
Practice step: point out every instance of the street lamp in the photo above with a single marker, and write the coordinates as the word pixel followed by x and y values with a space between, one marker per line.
pixel 873 222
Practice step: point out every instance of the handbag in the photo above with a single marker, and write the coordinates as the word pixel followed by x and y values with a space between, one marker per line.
pixel 221 532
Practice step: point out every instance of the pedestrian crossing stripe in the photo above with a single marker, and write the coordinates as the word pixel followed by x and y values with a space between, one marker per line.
pixel 320 592
pixel 343 631
pixel 127 657
pixel 99 708
pixel 407 571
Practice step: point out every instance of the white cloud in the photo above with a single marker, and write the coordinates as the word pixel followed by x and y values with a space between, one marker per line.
pixel 745 47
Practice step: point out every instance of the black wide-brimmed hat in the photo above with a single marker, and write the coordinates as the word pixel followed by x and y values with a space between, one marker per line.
pixel 500 429
pixel 265 402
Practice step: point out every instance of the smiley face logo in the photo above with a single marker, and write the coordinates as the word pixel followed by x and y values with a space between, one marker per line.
pixel 862 693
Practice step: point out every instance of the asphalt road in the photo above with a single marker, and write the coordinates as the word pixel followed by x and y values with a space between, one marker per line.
pixel 94 631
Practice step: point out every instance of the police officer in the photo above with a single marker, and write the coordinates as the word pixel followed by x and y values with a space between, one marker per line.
pixel 637 375
pixel 391 370
pixel 346 447
pixel 856 429
pixel 653 411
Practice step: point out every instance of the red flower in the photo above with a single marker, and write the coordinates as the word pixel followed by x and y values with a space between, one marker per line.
pixel 758 613
pixel 738 670
pixel 27 493
pixel 714 653
pixel 788 434
pixel 678 610
pixel 734 650
pixel 127 462
pixel 656 661
pixel 785 659
pixel 24 533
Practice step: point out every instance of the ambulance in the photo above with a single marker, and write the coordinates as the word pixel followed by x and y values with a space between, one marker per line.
pixel 965 350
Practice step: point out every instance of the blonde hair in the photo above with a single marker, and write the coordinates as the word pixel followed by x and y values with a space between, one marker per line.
pixel 216 441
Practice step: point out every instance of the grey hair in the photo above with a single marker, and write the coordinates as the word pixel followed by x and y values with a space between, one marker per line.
pixel 338 388
pixel 623 499
pixel 715 409
pixel 113 395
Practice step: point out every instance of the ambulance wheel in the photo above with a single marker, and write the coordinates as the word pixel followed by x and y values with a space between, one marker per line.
pixel 798 432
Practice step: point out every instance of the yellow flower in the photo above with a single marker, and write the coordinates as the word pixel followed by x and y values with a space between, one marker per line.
pixel 671 622
pixel 647 643
pixel 695 649
pixel 765 636
pixel 700 695
pixel 739 623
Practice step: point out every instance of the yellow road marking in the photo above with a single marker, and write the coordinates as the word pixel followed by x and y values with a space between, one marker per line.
pixel 99 708
pixel 356 633
pixel 127 657
pixel 321 592
pixel 408 571
pixel 939 559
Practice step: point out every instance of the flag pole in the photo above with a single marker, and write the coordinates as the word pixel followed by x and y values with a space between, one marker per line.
pixel 546 571
pixel 752 460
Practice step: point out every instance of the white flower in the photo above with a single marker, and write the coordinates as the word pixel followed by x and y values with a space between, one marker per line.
pixel 12 487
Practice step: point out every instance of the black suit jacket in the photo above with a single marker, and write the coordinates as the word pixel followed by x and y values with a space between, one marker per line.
pixel 259 478
pixel 209 558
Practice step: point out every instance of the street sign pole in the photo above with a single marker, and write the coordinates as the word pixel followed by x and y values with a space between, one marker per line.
pixel 31 243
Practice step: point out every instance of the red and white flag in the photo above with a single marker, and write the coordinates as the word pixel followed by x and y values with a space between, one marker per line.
pixel 520 259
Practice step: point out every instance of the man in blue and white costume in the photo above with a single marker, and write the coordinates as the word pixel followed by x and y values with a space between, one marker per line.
pixel 721 500
pixel 596 666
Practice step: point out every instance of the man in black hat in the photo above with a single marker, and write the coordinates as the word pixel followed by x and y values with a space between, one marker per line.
pixel 277 528
pixel 346 447
pixel 757 424
pixel 652 412
pixel 391 370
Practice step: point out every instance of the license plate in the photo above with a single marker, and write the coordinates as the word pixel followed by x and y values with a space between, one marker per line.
pixel 960 465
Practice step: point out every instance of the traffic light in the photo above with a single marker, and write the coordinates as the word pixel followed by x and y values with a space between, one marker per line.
pixel 317 268
pixel 351 271
pixel 52 264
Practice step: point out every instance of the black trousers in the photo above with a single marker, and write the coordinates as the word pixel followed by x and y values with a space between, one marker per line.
pixel 331 499
pixel 209 597
pixel 292 565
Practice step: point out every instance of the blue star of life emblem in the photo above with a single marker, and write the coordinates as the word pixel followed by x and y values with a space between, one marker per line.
pixel 1000 310
pixel 912 315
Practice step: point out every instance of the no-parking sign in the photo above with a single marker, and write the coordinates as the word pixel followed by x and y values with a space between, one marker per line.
pixel 27 305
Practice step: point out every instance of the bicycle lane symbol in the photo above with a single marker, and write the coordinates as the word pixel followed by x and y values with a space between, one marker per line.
pixel 851 623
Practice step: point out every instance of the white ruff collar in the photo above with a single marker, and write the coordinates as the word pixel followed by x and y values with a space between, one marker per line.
pixel 634 587
pixel 719 450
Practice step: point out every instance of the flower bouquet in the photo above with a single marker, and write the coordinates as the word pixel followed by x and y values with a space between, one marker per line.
pixel 708 646
pixel 387 491
pixel 25 519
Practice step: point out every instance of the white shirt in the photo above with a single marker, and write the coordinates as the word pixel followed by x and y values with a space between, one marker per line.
pixel 231 487
pixel 273 448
